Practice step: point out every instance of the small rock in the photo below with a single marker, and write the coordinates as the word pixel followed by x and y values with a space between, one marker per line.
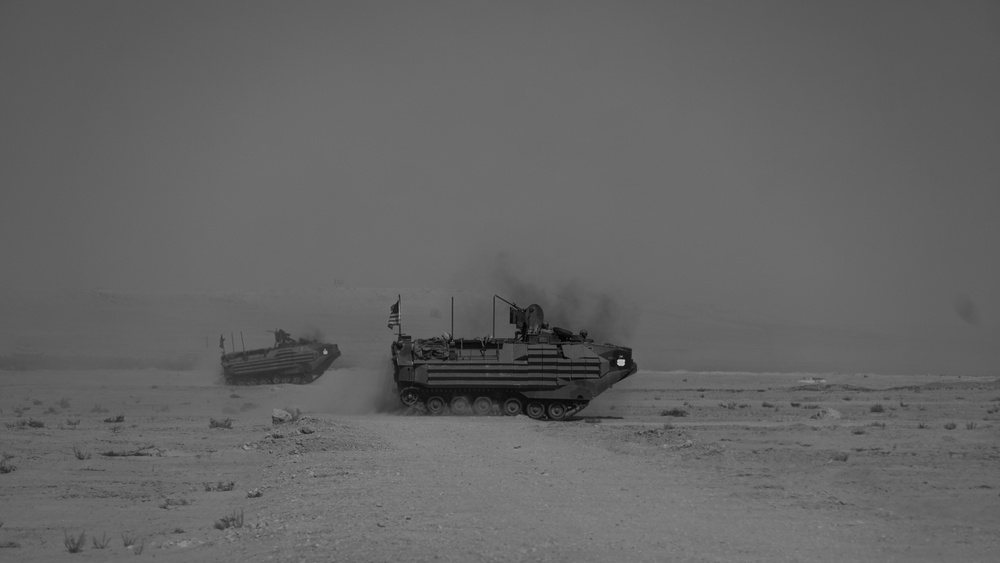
pixel 279 416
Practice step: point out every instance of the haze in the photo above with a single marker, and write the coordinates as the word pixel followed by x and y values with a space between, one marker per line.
pixel 715 167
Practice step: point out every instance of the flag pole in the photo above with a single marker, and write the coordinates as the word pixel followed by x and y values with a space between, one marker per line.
pixel 399 324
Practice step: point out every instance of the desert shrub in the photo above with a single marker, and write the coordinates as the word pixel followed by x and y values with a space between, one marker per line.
pixel 75 544
pixel 234 396
pixel 37 402
pixel 970 425
pixel 840 456
pixel 51 410
pixel 795 404
pixel 877 424
pixel 35 423
pixel 233 520
pixel 63 403
pixel 16 424
pixel 767 405
pixel 877 407
pixel 226 423
pixel 731 405
pixel 903 405
pixel 674 412
pixel 80 454
pixel 71 422
pixel 858 431
pixel 220 486
pixel 810 406
pixel 847 398
pixel 296 413
pixel 168 502
pixel 950 426
pixel 116 429
pixel 701 389
pixel 6 468
pixel 921 425
pixel 254 493
pixel 743 405
pixel 99 409
pixel 113 419
pixel 101 543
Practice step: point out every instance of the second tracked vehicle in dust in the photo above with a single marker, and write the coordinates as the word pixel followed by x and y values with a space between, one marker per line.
pixel 290 360
pixel 542 372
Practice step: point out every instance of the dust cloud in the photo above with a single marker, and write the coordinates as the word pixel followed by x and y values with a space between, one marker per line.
pixel 607 315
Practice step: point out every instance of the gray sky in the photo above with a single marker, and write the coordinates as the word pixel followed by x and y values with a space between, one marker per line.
pixel 828 162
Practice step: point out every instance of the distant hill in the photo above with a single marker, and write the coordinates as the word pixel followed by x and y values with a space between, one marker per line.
pixel 100 329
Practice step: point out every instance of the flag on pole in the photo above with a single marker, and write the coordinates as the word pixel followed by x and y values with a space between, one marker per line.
pixel 394 314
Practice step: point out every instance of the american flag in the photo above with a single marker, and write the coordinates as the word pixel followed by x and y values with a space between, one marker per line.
pixel 394 314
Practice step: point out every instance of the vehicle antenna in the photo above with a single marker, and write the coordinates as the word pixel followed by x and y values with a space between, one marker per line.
pixel 243 343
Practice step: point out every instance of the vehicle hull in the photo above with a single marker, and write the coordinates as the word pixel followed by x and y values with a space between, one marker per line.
pixel 300 364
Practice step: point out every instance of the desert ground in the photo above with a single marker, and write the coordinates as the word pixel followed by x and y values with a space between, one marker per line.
pixel 116 426
pixel 666 466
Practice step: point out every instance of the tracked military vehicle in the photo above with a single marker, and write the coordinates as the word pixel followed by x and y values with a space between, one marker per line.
pixel 541 372
pixel 298 361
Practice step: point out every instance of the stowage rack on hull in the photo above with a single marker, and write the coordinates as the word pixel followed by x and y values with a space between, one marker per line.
pixel 288 361
pixel 541 372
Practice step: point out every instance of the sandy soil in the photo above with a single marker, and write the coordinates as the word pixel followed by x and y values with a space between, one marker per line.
pixel 759 468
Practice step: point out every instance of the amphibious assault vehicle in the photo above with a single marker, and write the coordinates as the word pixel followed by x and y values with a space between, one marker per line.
pixel 288 361
pixel 542 372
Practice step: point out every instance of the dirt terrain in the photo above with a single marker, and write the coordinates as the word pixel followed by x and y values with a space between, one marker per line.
pixel 666 466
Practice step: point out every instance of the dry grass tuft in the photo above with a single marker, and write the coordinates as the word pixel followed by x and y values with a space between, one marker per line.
pixel 128 540
pixel 877 407
pixel 970 425
pixel 840 456
pixel 233 520
pixel 75 545
pixel 80 454
pixel 101 543
pixel 114 419
pixel 674 412
pixel 950 426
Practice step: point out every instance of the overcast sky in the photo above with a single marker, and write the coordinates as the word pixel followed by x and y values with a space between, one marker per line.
pixel 825 161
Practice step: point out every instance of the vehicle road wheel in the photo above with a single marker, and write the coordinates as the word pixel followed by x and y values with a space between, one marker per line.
pixel 435 405
pixel 512 407
pixel 409 396
pixel 482 406
pixel 460 406
pixel 557 411
pixel 535 410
